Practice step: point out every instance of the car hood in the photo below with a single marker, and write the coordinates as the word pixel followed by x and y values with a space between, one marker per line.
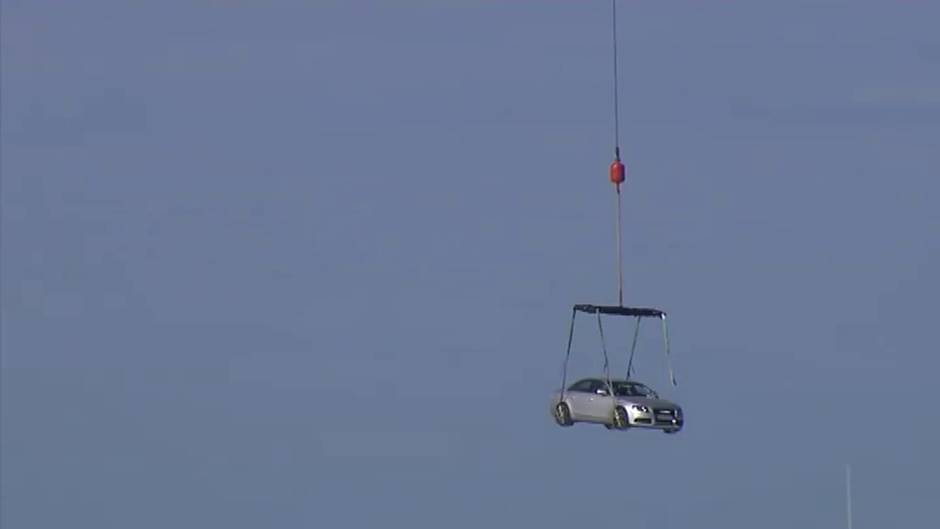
pixel 652 403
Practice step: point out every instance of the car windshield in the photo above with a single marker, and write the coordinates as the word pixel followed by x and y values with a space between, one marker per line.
pixel 633 389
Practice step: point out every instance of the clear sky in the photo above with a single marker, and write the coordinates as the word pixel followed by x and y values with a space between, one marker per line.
pixel 311 264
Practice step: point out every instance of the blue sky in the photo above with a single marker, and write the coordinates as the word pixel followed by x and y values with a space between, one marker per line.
pixel 304 263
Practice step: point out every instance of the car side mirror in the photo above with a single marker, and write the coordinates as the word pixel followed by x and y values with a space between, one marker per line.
pixel 601 391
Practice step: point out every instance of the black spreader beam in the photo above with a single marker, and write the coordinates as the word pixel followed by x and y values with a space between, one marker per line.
pixel 640 312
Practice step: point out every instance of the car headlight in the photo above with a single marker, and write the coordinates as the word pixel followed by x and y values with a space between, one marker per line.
pixel 644 409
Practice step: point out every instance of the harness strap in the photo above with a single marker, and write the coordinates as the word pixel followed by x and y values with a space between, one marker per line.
pixel 564 371
pixel 600 327
pixel 672 376
pixel 636 334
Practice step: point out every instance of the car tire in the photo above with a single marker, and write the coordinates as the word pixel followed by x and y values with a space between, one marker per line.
pixel 563 414
pixel 621 419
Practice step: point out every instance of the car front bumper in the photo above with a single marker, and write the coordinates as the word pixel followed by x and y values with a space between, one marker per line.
pixel 659 419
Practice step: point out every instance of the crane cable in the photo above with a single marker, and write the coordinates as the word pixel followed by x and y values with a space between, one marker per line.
pixel 613 5
pixel 617 169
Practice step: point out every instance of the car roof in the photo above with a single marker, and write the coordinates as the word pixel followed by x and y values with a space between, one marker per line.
pixel 613 380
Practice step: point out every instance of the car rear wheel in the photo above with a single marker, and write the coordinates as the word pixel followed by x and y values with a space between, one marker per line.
pixel 621 419
pixel 563 414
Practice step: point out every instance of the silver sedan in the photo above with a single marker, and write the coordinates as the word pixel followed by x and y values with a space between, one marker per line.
pixel 633 405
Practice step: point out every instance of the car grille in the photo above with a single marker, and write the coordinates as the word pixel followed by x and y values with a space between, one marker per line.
pixel 664 415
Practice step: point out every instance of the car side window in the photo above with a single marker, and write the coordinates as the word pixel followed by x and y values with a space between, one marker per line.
pixel 584 385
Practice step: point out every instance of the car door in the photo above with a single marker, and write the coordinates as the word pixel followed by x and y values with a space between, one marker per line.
pixel 599 402
pixel 579 399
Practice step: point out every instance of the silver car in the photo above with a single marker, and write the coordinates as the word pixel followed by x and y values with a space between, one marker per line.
pixel 633 405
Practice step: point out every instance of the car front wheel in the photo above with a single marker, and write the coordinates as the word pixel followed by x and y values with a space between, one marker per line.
pixel 621 419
